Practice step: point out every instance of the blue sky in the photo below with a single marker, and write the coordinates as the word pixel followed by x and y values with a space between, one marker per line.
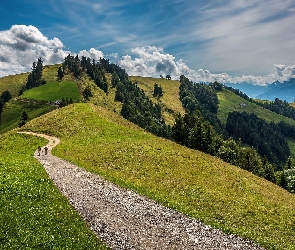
pixel 233 40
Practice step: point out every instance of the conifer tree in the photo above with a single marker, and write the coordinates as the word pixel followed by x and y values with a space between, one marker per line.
pixel 23 119
pixel 60 73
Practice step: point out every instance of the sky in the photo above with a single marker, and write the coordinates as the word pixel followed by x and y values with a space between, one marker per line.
pixel 233 41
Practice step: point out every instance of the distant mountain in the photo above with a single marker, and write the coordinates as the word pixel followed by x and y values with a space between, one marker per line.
pixel 248 88
pixel 284 91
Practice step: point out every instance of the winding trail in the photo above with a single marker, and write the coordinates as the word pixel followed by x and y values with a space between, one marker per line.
pixel 125 220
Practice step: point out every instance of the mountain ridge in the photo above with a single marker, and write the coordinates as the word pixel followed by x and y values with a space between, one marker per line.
pixel 96 137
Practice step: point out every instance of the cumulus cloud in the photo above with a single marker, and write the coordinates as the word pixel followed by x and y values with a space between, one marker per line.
pixel 152 61
pixel 92 53
pixel 21 45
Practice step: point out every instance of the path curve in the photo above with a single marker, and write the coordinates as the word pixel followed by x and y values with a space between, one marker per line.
pixel 125 220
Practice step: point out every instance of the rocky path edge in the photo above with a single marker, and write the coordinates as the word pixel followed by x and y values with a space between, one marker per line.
pixel 125 220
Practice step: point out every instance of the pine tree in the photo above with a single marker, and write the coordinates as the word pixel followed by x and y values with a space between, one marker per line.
pixel 23 119
pixel 35 77
pixel 60 73
pixel 5 96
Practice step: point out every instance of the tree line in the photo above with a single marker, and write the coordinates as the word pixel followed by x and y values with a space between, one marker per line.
pixel 136 106
pixel 267 153
pixel 202 97
pixel 35 77
pixel 193 131
pixel 267 138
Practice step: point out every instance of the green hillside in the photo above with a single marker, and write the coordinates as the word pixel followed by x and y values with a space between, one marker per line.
pixel 35 101
pixel 94 136
pixel 11 114
pixel 53 91
pixel 229 102
pixel 170 102
pixel 199 185
pixel 13 83
pixel 33 212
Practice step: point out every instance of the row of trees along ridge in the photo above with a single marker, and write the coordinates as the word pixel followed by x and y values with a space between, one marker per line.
pixel 136 106
pixel 200 129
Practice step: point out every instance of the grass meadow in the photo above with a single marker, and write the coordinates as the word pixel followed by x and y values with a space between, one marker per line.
pixel 229 102
pixel 53 91
pixel 11 114
pixel 190 181
pixel 13 83
pixel 169 102
pixel 33 212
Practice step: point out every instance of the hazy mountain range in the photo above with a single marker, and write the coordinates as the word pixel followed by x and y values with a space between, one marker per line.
pixel 283 90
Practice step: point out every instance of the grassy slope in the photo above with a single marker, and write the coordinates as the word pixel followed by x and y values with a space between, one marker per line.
pixel 13 83
pixel 53 91
pixel 229 102
pixel 32 101
pixel 33 212
pixel 170 102
pixel 14 108
pixel 99 96
pixel 197 184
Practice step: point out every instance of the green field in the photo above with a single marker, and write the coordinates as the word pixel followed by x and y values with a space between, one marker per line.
pixel 229 102
pixel 53 91
pixel 11 114
pixel 197 184
pixel 33 212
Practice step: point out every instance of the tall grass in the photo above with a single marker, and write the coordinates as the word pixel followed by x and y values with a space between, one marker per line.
pixel 33 213
pixel 192 182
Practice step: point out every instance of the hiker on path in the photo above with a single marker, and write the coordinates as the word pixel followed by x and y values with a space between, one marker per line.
pixel 46 149
pixel 39 150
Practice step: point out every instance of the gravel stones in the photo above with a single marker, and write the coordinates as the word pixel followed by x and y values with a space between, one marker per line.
pixel 125 220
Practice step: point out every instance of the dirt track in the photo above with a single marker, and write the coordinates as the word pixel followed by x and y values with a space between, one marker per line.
pixel 126 220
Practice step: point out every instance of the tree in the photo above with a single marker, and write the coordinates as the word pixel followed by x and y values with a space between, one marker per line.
pixel 1 108
pixel 35 77
pixel 216 85
pixel 158 92
pixel 60 73
pixel 5 96
pixel 87 93
pixel 23 119
pixel 168 77
pixel 289 163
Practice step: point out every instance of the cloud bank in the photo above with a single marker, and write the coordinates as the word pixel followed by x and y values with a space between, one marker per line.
pixel 152 61
pixel 21 45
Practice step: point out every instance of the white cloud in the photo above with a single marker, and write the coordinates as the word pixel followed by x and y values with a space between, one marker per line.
pixel 152 61
pixel 21 45
pixel 92 53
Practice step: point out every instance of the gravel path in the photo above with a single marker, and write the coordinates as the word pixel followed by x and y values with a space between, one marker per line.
pixel 125 220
